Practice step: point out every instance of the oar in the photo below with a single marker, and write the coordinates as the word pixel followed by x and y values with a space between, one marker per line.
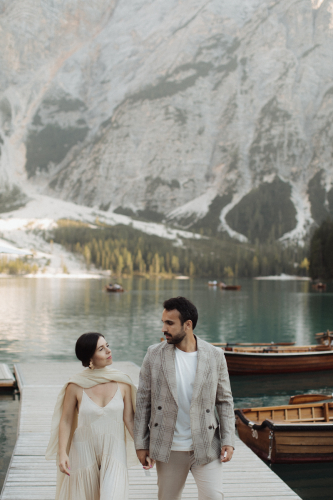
pixel 308 398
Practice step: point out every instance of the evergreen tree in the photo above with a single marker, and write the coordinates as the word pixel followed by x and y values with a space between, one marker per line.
pixel 321 252
pixel 87 255
pixel 175 263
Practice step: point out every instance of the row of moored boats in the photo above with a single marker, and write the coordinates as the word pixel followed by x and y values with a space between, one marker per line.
pixel 301 431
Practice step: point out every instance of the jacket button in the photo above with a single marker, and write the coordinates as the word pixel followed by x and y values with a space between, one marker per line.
pixel 159 407
pixel 156 425
pixel 210 427
pixel 207 411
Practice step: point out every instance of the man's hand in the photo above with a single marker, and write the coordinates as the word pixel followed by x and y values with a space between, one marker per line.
pixel 226 453
pixel 144 458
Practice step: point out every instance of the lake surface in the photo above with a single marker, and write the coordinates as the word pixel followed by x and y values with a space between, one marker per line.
pixel 42 318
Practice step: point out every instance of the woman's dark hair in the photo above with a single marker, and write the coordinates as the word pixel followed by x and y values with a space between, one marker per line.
pixel 86 346
pixel 186 309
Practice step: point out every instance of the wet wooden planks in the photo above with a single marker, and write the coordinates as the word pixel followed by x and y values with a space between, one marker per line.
pixel 31 477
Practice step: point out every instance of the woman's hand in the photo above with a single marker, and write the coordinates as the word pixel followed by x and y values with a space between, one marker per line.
pixel 144 458
pixel 64 465
pixel 150 462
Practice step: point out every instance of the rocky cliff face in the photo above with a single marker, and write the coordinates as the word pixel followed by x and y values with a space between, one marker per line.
pixel 215 115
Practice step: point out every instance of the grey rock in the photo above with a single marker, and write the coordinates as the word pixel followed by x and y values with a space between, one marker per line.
pixel 191 111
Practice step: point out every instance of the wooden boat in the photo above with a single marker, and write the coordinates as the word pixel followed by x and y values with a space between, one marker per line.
pixel 223 286
pixel 250 344
pixel 290 433
pixel 321 287
pixel 114 288
pixel 226 344
pixel 278 359
pixel 308 398
pixel 325 338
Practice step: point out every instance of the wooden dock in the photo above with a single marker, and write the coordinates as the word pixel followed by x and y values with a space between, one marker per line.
pixel 31 477
pixel 6 377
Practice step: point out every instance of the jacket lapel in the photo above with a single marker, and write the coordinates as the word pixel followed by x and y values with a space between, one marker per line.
pixel 203 360
pixel 169 369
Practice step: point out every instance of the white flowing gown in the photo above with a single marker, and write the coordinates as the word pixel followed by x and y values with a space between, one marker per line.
pixel 98 453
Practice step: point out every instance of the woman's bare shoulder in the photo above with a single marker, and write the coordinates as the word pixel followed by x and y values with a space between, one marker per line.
pixel 73 389
pixel 125 388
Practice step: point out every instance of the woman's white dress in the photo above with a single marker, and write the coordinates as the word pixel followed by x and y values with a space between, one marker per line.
pixel 98 453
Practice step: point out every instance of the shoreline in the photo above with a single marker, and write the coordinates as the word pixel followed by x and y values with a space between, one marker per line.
pixel 283 277
pixel 85 275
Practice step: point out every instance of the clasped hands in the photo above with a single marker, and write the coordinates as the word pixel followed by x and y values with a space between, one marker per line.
pixel 148 463
pixel 144 458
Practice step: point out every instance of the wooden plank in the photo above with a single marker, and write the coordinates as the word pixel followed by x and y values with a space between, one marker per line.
pixel 293 433
pixel 305 440
pixel 7 379
pixel 302 449
pixel 31 477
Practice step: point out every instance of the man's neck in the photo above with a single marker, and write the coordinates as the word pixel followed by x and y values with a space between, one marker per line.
pixel 188 344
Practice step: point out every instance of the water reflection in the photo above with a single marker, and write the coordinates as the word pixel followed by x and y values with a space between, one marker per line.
pixel 309 481
pixel 41 318
pixel 285 384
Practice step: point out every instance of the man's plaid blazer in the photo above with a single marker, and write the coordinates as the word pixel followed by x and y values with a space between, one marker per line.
pixel 157 406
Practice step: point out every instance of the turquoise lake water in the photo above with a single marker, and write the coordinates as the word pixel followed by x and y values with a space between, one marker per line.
pixel 42 318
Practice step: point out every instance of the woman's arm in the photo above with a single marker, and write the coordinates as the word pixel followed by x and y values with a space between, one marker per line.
pixel 128 408
pixel 65 426
pixel 129 420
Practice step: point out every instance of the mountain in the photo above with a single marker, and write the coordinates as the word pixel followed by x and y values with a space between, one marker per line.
pixel 213 115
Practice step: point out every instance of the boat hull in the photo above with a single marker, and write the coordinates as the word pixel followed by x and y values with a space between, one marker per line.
pixel 110 289
pixel 240 363
pixel 283 444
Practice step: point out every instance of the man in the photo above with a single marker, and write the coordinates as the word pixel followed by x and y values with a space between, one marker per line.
pixel 183 384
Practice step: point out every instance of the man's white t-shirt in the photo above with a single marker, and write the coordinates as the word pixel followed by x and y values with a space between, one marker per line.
pixel 186 367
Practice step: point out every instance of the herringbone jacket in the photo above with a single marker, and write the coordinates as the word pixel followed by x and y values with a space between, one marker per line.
pixel 157 406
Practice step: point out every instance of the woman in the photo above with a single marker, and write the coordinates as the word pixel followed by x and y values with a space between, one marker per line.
pixel 88 435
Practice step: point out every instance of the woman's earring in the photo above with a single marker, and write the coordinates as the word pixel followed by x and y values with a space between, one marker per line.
pixel 91 366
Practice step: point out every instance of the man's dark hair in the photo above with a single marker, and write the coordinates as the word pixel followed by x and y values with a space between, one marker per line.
pixel 86 346
pixel 186 309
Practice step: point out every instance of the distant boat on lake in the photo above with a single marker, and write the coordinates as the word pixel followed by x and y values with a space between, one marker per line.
pixel 114 288
pixel 290 433
pixel 223 286
pixel 320 287
pixel 262 360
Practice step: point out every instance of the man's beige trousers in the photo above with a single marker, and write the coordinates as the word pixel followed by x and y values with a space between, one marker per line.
pixel 172 477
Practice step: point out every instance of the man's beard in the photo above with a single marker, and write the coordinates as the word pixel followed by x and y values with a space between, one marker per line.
pixel 176 339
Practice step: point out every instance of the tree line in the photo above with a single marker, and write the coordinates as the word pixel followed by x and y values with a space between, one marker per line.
pixel 321 251
pixel 125 250
pixel 17 266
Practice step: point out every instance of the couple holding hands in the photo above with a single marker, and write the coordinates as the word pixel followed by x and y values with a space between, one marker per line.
pixel 181 417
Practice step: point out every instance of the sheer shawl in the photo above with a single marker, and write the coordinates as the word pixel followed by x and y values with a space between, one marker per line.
pixel 86 379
